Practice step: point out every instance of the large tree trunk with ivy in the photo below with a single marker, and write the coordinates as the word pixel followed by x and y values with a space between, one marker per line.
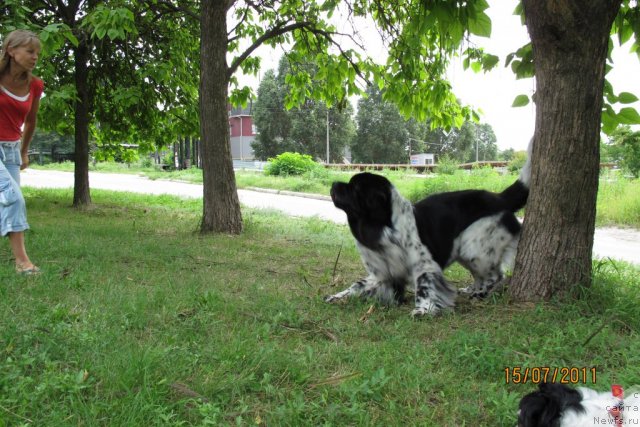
pixel 221 207
pixel 570 44
pixel 81 192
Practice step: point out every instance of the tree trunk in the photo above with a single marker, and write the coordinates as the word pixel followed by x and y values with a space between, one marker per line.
pixel 187 152
pixel 570 43
pixel 81 193
pixel 195 152
pixel 221 207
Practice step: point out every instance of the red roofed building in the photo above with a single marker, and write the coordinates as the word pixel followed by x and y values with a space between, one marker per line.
pixel 242 132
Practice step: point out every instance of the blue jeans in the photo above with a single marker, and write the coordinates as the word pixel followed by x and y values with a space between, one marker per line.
pixel 13 211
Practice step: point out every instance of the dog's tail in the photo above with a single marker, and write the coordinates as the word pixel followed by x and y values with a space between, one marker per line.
pixel 515 196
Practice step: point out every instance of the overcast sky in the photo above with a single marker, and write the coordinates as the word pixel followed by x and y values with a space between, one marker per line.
pixel 493 93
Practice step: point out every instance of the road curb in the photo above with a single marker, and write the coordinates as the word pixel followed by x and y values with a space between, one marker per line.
pixel 289 193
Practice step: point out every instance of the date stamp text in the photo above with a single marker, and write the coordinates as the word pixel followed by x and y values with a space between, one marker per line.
pixel 546 374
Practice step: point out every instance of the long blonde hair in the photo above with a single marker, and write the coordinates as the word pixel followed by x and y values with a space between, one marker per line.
pixel 15 39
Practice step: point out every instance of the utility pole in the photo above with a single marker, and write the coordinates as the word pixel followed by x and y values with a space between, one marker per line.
pixel 327 135
pixel 477 142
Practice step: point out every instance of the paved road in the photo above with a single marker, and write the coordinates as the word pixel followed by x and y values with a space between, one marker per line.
pixel 614 243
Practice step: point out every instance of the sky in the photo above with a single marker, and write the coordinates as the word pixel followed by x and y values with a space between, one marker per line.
pixel 491 93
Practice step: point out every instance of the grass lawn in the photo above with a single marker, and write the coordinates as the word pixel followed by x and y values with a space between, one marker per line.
pixel 618 196
pixel 139 321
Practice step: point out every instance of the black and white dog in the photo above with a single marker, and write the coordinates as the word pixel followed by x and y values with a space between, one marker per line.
pixel 401 243
pixel 557 405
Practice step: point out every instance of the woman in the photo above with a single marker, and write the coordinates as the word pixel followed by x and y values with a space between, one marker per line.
pixel 20 93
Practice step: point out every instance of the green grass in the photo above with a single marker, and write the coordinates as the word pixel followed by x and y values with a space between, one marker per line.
pixel 618 197
pixel 139 321
pixel 618 201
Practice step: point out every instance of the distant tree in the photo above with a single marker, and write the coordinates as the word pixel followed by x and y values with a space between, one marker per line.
pixel 487 147
pixel 624 148
pixel 460 144
pixel 107 67
pixel 382 135
pixel 309 130
pixel 271 119
pixel 303 128
pixel 507 154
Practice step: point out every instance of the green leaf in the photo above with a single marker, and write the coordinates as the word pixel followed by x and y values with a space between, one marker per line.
pixel 629 116
pixel 520 101
pixel 114 33
pixel 609 121
pixel 481 25
pixel 625 33
pixel 627 98
pixel 489 61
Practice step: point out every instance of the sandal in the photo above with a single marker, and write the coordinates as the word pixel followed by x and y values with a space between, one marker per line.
pixel 28 271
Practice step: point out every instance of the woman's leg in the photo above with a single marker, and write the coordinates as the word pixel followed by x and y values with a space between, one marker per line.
pixel 16 240
pixel 12 206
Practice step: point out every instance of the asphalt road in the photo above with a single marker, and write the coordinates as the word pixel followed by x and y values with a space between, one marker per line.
pixel 616 243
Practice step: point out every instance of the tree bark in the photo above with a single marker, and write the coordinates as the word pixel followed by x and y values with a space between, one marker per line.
pixel 81 192
pixel 570 44
pixel 221 207
pixel 187 152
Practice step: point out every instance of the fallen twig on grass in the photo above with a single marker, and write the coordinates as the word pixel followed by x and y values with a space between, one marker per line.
pixel 334 380
pixel 335 266
pixel 187 392
pixel 15 415
pixel 365 316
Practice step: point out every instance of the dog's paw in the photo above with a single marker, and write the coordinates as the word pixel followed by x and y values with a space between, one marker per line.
pixel 466 291
pixel 430 310
pixel 473 293
pixel 331 299
pixel 478 296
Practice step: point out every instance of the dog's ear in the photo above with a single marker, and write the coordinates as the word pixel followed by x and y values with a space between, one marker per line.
pixel 538 410
pixel 544 408
pixel 378 200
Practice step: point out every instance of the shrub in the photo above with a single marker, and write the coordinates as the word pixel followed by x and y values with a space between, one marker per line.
pixel 518 161
pixel 146 162
pixel 290 164
pixel 624 148
pixel 446 165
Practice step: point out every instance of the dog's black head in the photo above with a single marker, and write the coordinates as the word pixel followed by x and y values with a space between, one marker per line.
pixel 366 199
pixel 544 407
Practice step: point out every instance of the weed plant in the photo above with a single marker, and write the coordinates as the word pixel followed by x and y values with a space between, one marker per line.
pixel 137 320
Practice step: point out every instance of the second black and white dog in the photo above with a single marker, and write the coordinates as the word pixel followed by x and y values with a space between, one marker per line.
pixel 402 244
pixel 557 405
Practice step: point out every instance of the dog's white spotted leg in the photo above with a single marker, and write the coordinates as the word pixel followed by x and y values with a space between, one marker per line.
pixel 362 286
pixel 476 290
pixel 433 294
pixel 488 286
pixel 469 290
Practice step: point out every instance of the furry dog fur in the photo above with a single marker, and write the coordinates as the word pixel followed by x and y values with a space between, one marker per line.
pixel 557 405
pixel 402 244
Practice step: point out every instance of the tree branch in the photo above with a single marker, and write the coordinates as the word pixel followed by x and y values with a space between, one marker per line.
pixel 283 29
pixel 272 33
pixel 171 8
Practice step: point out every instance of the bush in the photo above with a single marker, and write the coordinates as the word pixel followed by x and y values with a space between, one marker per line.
pixel 291 164
pixel 517 162
pixel 446 165
pixel 624 148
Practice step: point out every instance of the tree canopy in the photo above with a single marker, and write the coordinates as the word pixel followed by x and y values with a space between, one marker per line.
pixel 301 129
pixel 116 72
